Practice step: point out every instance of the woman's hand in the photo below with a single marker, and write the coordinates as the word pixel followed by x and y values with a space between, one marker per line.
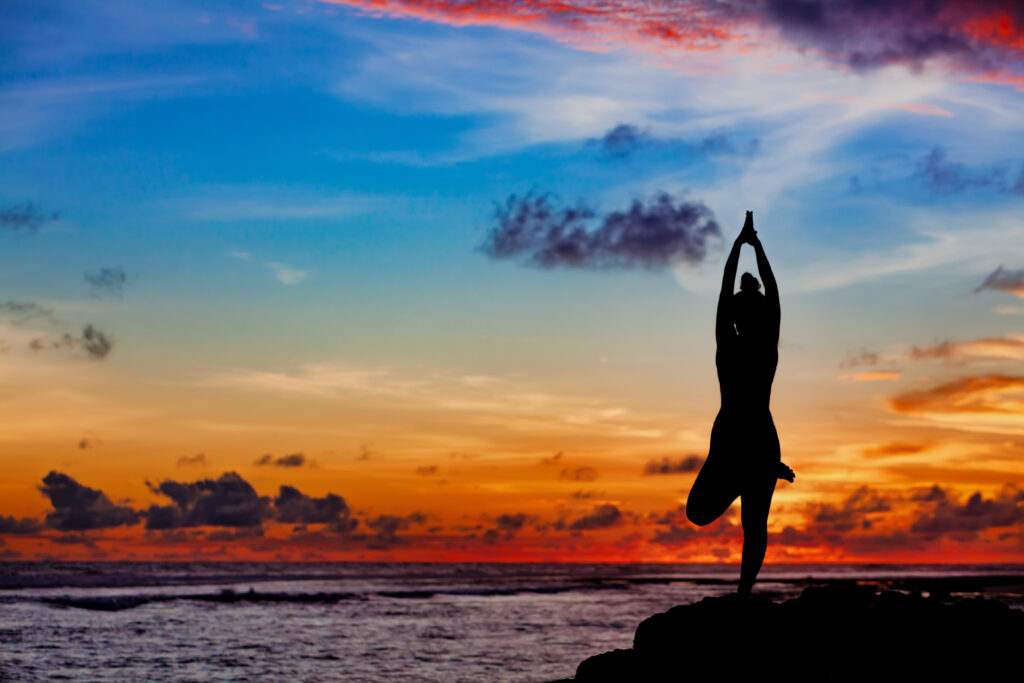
pixel 748 234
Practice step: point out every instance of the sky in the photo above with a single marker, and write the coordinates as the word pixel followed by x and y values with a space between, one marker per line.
pixel 435 280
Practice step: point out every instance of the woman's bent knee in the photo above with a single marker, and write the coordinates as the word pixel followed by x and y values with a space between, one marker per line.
pixel 700 517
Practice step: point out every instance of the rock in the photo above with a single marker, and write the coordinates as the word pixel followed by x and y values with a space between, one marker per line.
pixel 837 633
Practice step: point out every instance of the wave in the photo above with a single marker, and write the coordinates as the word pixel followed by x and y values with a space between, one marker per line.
pixel 117 603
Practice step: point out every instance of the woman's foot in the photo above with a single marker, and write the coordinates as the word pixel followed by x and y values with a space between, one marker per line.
pixel 786 472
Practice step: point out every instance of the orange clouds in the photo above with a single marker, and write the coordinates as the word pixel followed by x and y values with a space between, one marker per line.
pixel 980 403
pixel 981 394
pixel 1010 347
pixel 894 448
pixel 871 376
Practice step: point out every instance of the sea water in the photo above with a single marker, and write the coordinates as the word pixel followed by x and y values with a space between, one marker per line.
pixel 127 621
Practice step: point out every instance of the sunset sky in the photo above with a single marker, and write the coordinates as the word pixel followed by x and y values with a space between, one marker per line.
pixel 436 279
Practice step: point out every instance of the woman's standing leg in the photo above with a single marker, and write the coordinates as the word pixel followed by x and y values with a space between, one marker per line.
pixel 755 502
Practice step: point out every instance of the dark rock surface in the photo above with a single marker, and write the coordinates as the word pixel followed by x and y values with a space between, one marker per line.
pixel 830 633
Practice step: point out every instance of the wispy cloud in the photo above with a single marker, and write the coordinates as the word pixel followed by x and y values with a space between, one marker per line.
pixel 27 217
pixel 940 241
pixel 514 404
pixel 233 204
pixel 874 376
pixel 1010 347
pixel 290 460
pixel 685 465
pixel 107 281
pixel 93 342
pixel 23 311
pixel 972 37
pixel 282 272
pixel 947 177
pixel 37 111
pixel 985 403
pixel 287 275
pixel 1002 280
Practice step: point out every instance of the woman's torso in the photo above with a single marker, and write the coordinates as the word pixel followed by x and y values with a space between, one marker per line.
pixel 746 370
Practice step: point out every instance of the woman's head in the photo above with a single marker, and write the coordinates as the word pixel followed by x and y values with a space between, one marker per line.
pixel 749 283
pixel 748 306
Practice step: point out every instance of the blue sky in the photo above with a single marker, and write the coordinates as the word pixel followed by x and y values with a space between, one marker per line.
pixel 297 188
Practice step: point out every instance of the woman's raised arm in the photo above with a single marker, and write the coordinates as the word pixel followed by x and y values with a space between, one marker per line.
pixel 771 287
pixel 723 323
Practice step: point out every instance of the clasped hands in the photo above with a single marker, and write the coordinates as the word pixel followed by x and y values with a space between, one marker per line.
pixel 748 234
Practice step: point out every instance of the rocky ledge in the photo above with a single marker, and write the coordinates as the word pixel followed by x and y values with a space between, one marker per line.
pixel 829 633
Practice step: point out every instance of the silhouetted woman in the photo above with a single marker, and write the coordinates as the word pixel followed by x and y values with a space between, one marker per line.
pixel 744 459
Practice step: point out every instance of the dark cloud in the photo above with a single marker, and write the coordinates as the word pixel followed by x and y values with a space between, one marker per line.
pixel 23 311
pixel 674 535
pixel 936 494
pixel 946 177
pixel 656 235
pixel 674 516
pixel 851 513
pixel 235 534
pixel 226 501
pixel 95 343
pixel 860 359
pixel 78 508
pixel 197 459
pixel 868 34
pixel 295 507
pixel 684 465
pixel 945 349
pixel 585 473
pixel 963 522
pixel 623 140
pixel 792 536
pixel 14 526
pixel 388 526
pixel 507 525
pixel 512 523
pixel 1002 280
pixel 107 281
pixel 602 516
pixel 28 217
pixel 290 460
pixel 426 470
pixel 894 541
pixel 73 539
pixel 981 36
pixel 553 459
pixel 463 455
pixel 720 144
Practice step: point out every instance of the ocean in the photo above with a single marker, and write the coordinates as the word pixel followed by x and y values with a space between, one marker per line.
pixel 206 621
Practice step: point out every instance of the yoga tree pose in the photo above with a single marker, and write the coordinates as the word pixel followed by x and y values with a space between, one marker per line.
pixel 744 459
